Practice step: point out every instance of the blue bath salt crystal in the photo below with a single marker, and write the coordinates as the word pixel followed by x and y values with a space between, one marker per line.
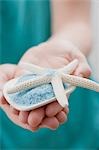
pixel 33 95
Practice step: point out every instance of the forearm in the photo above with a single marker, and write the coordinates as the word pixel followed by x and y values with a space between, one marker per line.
pixel 71 21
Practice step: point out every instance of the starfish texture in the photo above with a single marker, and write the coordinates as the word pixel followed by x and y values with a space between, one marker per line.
pixel 56 77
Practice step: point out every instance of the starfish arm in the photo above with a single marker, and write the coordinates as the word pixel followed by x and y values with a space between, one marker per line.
pixel 81 82
pixel 31 67
pixel 69 90
pixel 59 90
pixel 25 85
pixel 70 68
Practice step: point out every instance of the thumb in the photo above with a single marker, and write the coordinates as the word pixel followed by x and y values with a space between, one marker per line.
pixel 83 70
pixel 6 73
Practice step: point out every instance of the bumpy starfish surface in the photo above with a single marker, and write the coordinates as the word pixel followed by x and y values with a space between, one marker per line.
pixel 56 77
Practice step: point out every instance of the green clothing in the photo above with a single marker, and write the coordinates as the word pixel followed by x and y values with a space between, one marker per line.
pixel 25 23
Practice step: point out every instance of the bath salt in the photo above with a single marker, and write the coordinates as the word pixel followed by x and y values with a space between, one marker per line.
pixel 45 85
pixel 33 95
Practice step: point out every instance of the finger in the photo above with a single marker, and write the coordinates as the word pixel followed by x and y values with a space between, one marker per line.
pixel 51 123
pixel 66 110
pixel 83 70
pixel 8 71
pixel 14 118
pixel 33 129
pixel 13 110
pixel 53 108
pixel 2 99
pixel 83 67
pixel 23 116
pixel 35 117
pixel 61 117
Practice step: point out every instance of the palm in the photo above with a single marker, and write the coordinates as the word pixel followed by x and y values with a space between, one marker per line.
pixel 47 116
pixel 50 54
pixel 31 120
pixel 54 54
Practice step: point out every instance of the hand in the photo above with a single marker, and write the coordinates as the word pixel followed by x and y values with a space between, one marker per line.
pixel 29 119
pixel 7 72
pixel 55 54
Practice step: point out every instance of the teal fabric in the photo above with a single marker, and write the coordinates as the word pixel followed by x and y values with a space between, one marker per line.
pixel 25 23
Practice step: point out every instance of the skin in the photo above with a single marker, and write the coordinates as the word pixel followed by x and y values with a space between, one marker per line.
pixel 57 52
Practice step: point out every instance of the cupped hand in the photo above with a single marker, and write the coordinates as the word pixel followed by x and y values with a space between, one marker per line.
pixel 32 120
pixel 54 54
pixel 7 72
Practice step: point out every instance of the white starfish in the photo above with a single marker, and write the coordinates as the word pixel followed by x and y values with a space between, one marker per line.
pixel 57 77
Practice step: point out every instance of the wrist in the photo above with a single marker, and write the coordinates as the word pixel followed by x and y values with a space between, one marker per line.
pixel 65 43
pixel 78 33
